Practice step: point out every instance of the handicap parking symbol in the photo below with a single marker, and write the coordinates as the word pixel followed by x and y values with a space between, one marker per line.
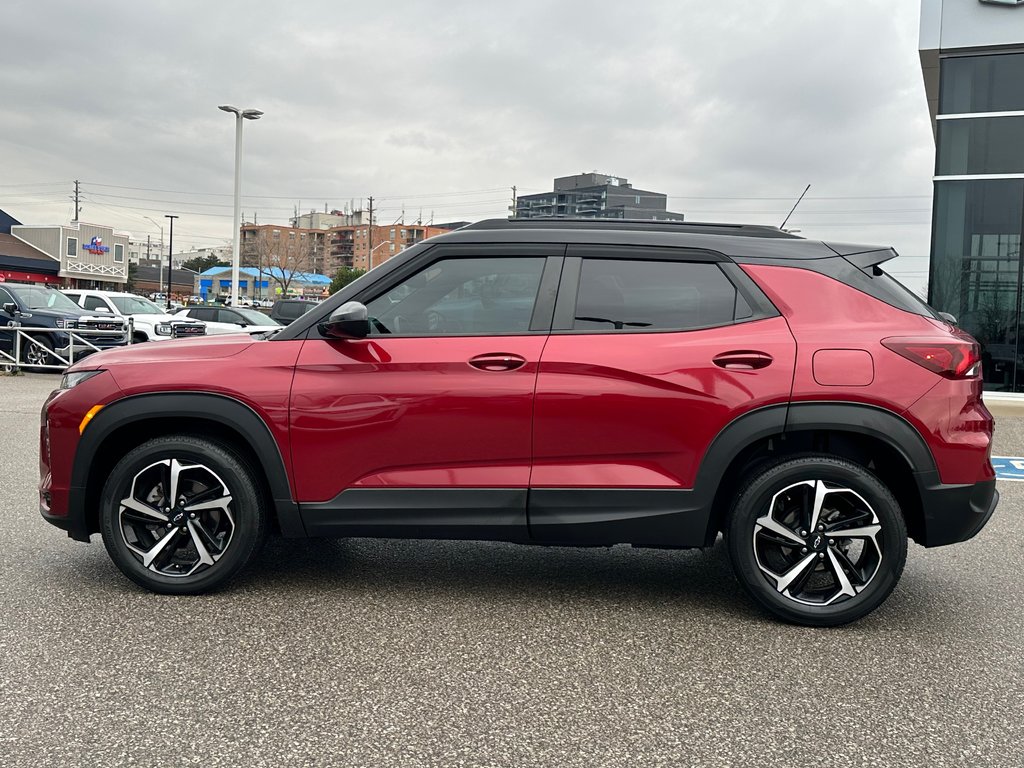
pixel 1008 467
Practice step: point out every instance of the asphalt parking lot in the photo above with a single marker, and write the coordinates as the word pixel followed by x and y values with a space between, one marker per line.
pixel 390 653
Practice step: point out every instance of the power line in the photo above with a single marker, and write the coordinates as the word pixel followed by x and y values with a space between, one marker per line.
pixel 335 195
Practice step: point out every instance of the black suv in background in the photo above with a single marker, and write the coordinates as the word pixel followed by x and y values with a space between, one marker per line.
pixel 287 311
pixel 31 306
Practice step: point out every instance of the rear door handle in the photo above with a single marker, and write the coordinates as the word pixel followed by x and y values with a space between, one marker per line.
pixel 743 359
pixel 497 361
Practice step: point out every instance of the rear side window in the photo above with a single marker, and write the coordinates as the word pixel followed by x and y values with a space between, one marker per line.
pixel 627 295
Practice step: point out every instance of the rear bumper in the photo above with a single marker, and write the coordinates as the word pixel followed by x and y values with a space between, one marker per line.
pixel 954 513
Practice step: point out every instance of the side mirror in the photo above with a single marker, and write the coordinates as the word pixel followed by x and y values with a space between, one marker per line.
pixel 11 308
pixel 102 309
pixel 951 319
pixel 349 321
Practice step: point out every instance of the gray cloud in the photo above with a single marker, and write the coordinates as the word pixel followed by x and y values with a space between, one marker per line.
pixel 413 101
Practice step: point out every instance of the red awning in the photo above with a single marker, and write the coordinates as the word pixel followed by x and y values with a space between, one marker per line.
pixel 10 276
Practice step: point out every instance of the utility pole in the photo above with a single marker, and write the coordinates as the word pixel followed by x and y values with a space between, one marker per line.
pixel 513 208
pixel 78 208
pixel 147 248
pixel 170 267
pixel 369 236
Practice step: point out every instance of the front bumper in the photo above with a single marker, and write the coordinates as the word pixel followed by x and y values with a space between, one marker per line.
pixel 954 513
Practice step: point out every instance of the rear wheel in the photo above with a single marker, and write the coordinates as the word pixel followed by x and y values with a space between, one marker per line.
pixel 817 540
pixel 182 514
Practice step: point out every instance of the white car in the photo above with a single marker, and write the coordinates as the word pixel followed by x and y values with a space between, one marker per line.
pixel 151 323
pixel 231 319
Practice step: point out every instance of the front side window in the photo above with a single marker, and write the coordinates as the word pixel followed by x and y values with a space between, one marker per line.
pixel 72 247
pixel 461 297
pixel 94 303
pixel 626 295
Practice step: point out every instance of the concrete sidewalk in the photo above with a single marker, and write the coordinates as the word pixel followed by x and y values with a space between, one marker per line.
pixel 1002 407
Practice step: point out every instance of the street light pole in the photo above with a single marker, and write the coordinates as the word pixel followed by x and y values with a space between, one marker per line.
pixel 161 228
pixel 369 256
pixel 170 266
pixel 248 114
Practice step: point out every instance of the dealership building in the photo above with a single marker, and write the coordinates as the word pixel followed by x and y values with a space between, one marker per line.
pixel 972 58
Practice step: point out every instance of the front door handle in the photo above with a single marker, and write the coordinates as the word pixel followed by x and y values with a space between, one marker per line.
pixel 742 359
pixel 497 361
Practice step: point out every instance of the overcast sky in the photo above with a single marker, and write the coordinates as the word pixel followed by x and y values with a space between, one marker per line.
pixel 730 108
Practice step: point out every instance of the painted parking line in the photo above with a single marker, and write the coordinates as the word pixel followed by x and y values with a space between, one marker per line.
pixel 1009 467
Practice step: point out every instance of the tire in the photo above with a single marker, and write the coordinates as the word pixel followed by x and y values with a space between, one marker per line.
pixel 34 356
pixel 197 545
pixel 831 573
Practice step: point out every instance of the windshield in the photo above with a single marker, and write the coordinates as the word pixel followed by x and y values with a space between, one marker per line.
pixel 255 318
pixel 34 297
pixel 135 305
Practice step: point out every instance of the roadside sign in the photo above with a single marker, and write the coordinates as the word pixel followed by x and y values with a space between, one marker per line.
pixel 1009 467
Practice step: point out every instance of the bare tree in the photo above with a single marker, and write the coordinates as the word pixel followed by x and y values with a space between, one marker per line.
pixel 281 259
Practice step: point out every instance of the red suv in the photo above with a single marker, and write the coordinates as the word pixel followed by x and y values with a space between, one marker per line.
pixel 552 382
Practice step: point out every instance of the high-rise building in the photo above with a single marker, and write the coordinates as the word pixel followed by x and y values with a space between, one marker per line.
pixel 595 196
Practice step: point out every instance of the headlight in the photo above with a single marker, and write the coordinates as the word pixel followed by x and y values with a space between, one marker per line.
pixel 62 323
pixel 70 380
pixel 163 329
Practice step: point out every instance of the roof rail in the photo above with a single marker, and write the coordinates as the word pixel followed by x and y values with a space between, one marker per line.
pixel 648 225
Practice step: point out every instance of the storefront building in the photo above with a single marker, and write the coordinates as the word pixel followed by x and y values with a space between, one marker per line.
pixel 972 57
pixel 90 255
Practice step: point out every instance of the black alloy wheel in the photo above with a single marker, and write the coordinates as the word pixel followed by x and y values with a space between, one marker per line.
pixel 182 514
pixel 817 540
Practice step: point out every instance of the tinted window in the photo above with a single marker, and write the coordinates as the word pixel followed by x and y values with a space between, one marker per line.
pixel 982 84
pixel 654 295
pixel 202 313
pixel 980 145
pixel 461 296
pixel 6 298
pixel 93 303
pixel 291 310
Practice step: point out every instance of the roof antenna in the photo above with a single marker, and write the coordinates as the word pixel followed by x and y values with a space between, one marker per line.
pixel 783 224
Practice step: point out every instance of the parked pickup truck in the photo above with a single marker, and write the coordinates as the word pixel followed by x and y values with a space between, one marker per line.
pixel 31 306
pixel 151 322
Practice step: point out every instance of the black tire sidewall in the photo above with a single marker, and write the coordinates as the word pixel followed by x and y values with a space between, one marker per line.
pixel 752 502
pixel 247 510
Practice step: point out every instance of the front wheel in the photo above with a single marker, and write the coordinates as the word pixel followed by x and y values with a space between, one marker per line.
pixel 817 540
pixel 182 514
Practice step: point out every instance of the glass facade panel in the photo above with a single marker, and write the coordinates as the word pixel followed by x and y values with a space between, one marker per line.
pixel 976 270
pixel 982 84
pixel 980 145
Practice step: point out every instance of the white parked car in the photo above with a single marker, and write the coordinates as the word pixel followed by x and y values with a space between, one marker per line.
pixel 231 319
pixel 152 323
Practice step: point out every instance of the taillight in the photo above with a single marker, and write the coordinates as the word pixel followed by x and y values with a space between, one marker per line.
pixel 952 358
